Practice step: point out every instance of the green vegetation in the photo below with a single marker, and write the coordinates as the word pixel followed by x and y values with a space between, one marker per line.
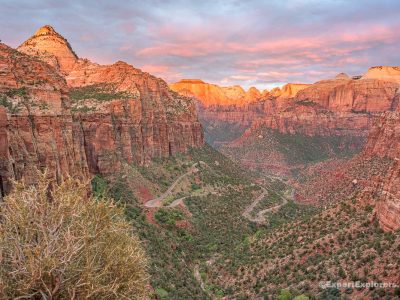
pixel 269 147
pixel 221 131
pixel 335 244
pixel 270 200
pixel 174 240
pixel 169 216
pixel 85 99
pixel 100 92
pixel 167 246
pixel 307 103
pixel 12 108
pixel 210 227
pixel 299 148
pixel 15 99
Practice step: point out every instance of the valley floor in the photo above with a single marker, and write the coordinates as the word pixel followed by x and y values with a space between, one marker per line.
pixel 214 230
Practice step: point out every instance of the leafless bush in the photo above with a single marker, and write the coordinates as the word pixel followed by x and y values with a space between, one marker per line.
pixel 56 243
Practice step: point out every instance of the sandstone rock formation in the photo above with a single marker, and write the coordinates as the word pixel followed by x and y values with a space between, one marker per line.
pixel 364 95
pixel 372 177
pixel 51 47
pixel 386 73
pixel 384 142
pixel 149 121
pixel 36 127
pixel 332 107
pixel 290 90
pixel 339 106
pixel 115 113
pixel 342 106
pixel 342 76
pixel 225 111
pixel 214 95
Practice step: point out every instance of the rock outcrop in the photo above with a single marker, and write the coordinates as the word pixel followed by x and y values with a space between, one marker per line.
pixel 332 107
pixel 214 95
pixel 358 96
pixel 51 47
pixel 384 142
pixel 76 117
pixel 223 109
pixel 372 177
pixel 342 76
pixel 141 119
pixel 386 73
pixel 36 126
pixel 339 106
pixel 290 90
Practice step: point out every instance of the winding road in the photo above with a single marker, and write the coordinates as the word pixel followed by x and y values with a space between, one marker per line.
pixel 260 216
pixel 158 202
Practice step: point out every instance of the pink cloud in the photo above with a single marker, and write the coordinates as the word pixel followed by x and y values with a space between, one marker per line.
pixel 156 69
pixel 315 48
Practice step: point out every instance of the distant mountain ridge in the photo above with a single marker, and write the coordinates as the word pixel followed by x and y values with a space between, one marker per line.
pixel 338 106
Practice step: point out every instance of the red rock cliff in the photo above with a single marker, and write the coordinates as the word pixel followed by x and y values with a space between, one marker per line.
pixel 50 47
pixel 36 127
pixel 124 113
pixel 340 106
pixel 214 95
pixel 384 141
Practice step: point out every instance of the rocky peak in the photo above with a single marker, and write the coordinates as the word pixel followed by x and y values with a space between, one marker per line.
pixel 192 81
pixel 51 47
pixel 387 73
pixel 342 76
pixel 213 95
pixel 291 89
pixel 253 90
pixel 46 30
pixel 276 91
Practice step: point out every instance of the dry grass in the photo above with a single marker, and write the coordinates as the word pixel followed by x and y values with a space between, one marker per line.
pixel 56 243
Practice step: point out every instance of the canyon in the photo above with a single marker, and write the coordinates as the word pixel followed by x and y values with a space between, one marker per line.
pixel 338 106
pixel 304 174
pixel 329 139
pixel 74 117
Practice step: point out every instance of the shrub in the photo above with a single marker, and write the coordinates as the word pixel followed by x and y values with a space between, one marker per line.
pixel 301 297
pixel 9 105
pixel 56 243
pixel 161 293
pixel 168 216
pixel 285 295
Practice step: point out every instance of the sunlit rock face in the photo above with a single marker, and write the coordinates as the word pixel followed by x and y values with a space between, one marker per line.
pixel 214 95
pixel 220 107
pixel 341 106
pixel 290 90
pixel 76 117
pixel 50 47
pixel 344 94
pixel 387 73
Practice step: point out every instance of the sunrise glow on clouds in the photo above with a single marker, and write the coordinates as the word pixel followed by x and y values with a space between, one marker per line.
pixel 261 43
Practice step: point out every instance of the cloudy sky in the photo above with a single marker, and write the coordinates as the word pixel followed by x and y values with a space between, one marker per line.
pixel 253 42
